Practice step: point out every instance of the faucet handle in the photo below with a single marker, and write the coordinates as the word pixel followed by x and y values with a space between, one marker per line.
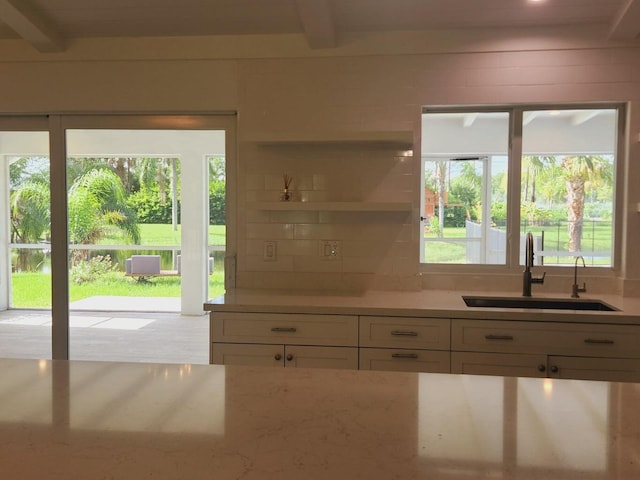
pixel 539 279
pixel 578 289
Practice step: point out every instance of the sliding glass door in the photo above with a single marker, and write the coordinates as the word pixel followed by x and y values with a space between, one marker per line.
pixel 115 233
pixel 25 237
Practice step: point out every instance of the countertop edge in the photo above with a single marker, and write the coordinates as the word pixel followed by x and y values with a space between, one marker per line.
pixel 432 304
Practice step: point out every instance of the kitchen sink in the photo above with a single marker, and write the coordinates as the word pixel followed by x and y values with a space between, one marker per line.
pixel 539 303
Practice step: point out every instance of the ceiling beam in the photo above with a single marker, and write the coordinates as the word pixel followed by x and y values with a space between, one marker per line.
pixel 626 23
pixel 317 23
pixel 27 23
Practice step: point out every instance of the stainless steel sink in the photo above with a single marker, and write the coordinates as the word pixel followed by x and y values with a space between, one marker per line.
pixel 539 303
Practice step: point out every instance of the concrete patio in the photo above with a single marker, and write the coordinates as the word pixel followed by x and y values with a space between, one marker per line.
pixel 129 332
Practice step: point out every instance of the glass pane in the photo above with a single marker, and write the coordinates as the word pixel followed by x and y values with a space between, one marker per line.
pixel 26 214
pixel 464 158
pixel 217 221
pixel 568 159
pixel 131 195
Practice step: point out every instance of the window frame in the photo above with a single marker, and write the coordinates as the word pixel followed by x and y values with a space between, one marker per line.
pixel 514 156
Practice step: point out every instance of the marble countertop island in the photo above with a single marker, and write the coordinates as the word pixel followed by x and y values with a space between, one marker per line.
pixel 100 420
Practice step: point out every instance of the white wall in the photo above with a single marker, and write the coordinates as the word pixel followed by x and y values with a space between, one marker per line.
pixel 370 83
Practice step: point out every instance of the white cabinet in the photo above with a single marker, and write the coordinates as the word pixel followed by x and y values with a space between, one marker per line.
pixel 524 348
pixel 404 344
pixel 546 349
pixel 292 340
pixel 285 356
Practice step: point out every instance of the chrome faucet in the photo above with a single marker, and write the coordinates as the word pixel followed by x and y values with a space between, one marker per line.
pixel 575 289
pixel 527 278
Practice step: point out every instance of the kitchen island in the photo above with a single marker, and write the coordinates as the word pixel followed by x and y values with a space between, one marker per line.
pixel 100 420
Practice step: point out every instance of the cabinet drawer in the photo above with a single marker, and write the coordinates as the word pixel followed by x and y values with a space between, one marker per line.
pixel 504 364
pixel 301 329
pixel 622 341
pixel 405 332
pixel 401 360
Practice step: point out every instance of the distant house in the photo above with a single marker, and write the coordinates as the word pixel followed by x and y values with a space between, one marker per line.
pixel 431 202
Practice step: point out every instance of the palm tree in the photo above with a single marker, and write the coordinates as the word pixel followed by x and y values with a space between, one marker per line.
pixel 441 177
pixel 578 172
pixel 97 199
pixel 160 172
pixel 30 216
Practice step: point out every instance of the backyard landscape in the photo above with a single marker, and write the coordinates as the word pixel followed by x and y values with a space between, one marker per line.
pixel 116 208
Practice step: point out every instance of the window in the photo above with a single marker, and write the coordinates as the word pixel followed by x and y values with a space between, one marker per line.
pixel 491 173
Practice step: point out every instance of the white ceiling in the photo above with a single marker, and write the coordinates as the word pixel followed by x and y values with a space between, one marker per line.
pixel 49 25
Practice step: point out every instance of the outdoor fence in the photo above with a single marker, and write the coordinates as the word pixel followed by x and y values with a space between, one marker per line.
pixel 487 244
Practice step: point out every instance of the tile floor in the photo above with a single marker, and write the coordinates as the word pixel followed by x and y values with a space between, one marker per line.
pixel 127 336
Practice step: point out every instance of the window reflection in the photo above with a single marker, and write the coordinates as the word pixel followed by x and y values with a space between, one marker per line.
pixel 550 420
pixel 461 417
pixel 470 422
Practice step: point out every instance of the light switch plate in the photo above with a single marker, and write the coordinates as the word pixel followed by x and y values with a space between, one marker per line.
pixel 270 252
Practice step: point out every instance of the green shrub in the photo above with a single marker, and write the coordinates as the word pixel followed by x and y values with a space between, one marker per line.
pixel 149 209
pixel 91 270
pixel 217 203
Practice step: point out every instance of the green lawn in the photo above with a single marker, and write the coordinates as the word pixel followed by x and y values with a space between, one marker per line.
pixel 161 235
pixel 596 237
pixel 33 289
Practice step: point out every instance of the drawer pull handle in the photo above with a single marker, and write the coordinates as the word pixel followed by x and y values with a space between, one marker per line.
pixel 403 333
pixel 284 329
pixel 598 341
pixel 498 337
pixel 289 357
pixel 278 356
pixel 412 356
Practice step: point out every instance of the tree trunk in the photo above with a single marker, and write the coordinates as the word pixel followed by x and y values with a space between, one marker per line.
pixel 440 175
pixel 575 202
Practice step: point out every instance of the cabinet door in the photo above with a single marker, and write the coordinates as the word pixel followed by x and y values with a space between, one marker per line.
pixel 505 364
pixel 247 354
pixel 321 357
pixel 593 368
pixel 405 332
pixel 398 360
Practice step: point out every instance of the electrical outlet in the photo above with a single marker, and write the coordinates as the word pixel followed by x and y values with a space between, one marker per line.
pixel 330 249
pixel 230 271
pixel 270 253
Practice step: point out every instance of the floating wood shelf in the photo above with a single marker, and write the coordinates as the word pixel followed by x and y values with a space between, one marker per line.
pixel 332 206
pixel 396 139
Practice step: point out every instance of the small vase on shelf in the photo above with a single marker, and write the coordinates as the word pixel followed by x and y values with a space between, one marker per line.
pixel 285 196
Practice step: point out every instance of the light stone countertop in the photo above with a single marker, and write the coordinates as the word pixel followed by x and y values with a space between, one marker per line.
pixel 427 303
pixel 67 420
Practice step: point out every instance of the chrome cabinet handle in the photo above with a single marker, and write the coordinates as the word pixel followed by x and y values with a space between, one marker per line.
pixel 404 355
pixel 289 357
pixel 599 341
pixel 284 329
pixel 498 337
pixel 403 333
pixel 278 357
